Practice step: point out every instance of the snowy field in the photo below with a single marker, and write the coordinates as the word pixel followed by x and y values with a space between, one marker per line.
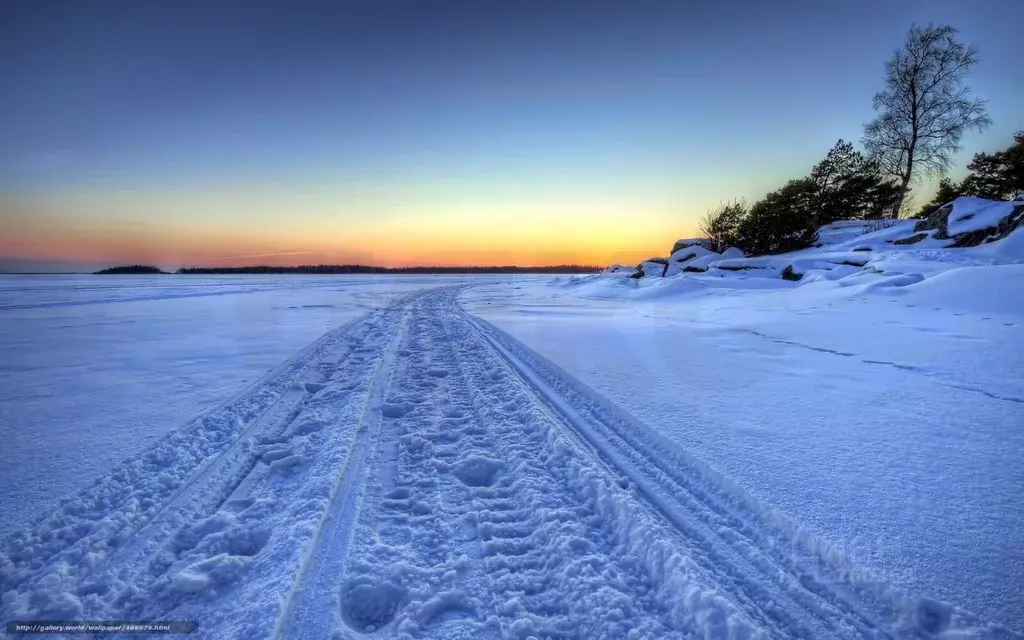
pixel 519 457
pixel 891 426
pixel 95 369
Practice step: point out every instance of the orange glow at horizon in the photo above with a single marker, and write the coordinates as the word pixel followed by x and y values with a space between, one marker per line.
pixel 245 231
pixel 133 249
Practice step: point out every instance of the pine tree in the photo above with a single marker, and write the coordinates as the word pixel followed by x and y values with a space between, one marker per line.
pixel 850 186
pixel 999 175
pixel 781 221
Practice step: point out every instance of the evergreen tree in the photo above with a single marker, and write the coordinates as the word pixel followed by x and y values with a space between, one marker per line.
pixel 850 186
pixel 781 221
pixel 999 175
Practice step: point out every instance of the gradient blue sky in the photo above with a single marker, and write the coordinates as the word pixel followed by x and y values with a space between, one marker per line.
pixel 434 132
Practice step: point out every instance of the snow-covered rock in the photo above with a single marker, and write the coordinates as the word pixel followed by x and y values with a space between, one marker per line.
pixel 654 267
pixel 700 264
pixel 974 214
pixel 683 243
pixel 891 253
pixel 691 252
pixel 842 230
pixel 969 221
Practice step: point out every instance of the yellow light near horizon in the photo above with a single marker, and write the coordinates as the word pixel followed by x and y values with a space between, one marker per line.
pixel 236 228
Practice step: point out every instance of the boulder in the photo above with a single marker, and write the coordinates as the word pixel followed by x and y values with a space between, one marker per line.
pixel 1005 227
pixel 683 243
pixel 964 208
pixel 654 267
pixel 691 252
pixel 936 220
pixel 702 263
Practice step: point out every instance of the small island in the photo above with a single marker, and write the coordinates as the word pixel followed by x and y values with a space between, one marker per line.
pixel 130 269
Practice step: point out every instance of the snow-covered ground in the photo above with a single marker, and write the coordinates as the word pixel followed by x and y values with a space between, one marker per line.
pixel 720 455
pixel 95 369
pixel 878 403
pixel 891 426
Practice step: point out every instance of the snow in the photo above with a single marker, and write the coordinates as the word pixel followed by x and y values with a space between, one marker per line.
pixel 719 455
pixel 843 231
pixel 690 252
pixel 880 409
pixel 974 214
pixel 1009 249
pixel 654 268
pixel 96 369
pixel 703 262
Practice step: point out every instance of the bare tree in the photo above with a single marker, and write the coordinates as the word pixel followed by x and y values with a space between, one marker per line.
pixel 925 106
pixel 721 225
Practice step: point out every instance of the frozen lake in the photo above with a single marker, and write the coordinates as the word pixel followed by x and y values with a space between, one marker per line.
pixel 886 426
pixel 95 368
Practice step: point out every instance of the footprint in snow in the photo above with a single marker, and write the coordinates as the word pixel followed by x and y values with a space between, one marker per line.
pixel 390 410
pixel 367 607
pixel 478 471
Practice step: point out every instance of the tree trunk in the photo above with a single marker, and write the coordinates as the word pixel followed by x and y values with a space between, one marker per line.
pixel 904 184
pixel 905 178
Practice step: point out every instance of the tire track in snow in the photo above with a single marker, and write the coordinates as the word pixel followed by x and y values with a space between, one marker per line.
pixel 105 552
pixel 704 548
pixel 302 506
pixel 769 556
pixel 209 502
pixel 545 506
pixel 309 612
pixel 409 539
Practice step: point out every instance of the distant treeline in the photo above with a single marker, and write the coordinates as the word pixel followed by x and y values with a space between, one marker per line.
pixel 360 268
pixel 131 268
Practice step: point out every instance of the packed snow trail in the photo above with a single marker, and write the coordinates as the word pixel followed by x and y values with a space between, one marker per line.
pixel 420 474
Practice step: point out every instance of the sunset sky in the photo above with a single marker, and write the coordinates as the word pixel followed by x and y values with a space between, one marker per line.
pixel 411 132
